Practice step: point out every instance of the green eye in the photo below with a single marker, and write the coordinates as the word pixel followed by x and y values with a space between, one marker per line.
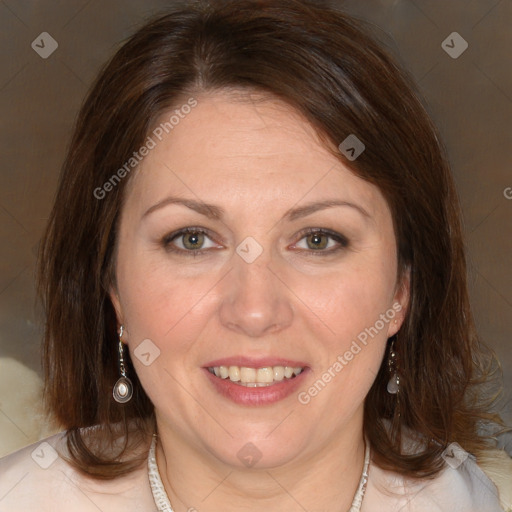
pixel 317 241
pixel 188 241
pixel 193 241
pixel 321 241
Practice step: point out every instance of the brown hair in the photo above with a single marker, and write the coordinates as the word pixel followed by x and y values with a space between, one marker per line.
pixel 329 68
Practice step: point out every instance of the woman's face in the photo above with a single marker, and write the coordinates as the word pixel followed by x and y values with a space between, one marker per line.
pixel 251 288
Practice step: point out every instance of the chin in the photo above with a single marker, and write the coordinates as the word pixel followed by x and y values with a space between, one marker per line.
pixel 259 452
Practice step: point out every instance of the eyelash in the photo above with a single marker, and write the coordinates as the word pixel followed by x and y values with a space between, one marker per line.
pixel 339 238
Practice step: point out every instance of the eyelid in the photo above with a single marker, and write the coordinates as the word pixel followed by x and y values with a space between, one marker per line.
pixel 334 235
pixel 167 240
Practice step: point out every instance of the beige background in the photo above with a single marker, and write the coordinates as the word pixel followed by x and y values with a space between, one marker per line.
pixel 470 98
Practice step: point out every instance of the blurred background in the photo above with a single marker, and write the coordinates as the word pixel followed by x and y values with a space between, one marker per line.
pixel 458 51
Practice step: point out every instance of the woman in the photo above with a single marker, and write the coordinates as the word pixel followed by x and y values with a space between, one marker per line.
pixel 255 283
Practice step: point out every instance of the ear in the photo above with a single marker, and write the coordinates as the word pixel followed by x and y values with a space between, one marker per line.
pixel 116 302
pixel 400 302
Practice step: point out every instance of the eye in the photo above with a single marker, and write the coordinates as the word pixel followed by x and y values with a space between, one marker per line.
pixel 321 241
pixel 188 240
pixel 193 241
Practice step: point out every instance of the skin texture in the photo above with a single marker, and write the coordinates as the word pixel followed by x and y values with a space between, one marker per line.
pixel 255 158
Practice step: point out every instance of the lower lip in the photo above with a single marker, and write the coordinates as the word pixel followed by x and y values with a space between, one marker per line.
pixel 264 395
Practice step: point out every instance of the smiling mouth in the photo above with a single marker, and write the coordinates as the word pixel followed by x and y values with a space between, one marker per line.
pixel 255 377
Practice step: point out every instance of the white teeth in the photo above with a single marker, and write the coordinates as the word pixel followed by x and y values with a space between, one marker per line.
pixel 234 373
pixel 265 374
pixel 255 377
pixel 247 374
pixel 288 372
pixel 278 373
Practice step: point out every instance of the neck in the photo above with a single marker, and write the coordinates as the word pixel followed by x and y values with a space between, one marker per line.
pixel 195 479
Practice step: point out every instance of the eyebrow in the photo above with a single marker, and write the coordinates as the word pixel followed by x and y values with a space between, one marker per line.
pixel 216 212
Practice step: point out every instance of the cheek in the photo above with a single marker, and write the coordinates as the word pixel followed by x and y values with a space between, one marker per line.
pixel 159 306
pixel 352 344
pixel 351 298
pixel 170 312
pixel 162 304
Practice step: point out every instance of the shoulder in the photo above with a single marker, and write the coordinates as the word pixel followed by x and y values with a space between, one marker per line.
pixel 38 477
pixel 461 486
pixel 497 465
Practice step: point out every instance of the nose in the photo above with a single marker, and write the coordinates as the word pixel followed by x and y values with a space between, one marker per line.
pixel 255 302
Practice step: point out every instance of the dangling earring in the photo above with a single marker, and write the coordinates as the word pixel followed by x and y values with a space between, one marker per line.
pixel 394 382
pixel 123 388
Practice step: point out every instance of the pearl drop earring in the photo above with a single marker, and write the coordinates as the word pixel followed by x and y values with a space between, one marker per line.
pixel 123 388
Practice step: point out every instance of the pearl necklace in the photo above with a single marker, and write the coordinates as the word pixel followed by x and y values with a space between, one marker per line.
pixel 164 505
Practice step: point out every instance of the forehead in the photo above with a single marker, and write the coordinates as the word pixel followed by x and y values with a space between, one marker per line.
pixel 246 146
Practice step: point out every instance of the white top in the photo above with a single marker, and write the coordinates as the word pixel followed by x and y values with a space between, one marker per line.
pixel 35 478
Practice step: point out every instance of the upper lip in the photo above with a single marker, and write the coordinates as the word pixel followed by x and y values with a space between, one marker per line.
pixel 255 362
